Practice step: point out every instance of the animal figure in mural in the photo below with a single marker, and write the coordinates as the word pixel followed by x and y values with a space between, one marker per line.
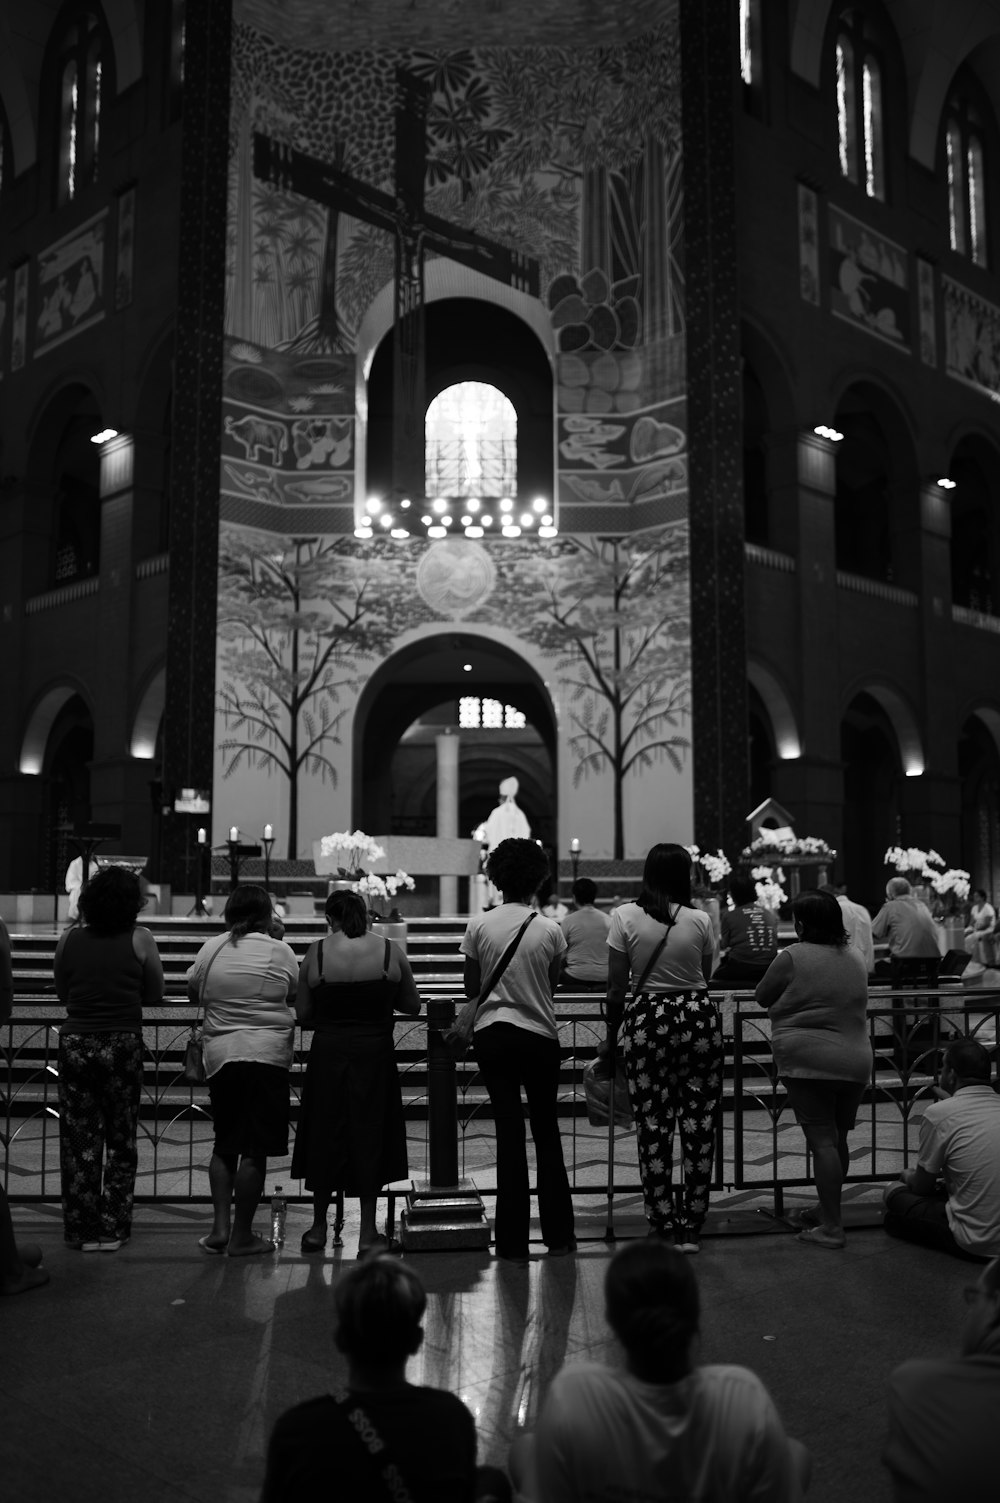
pixel 256 434
pixel 250 483
pixel 317 441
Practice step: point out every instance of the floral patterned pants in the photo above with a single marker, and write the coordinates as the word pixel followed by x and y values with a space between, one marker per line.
pixel 100 1079
pixel 673 1056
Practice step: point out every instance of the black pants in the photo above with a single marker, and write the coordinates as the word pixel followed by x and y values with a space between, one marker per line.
pixel 509 1058
pixel 923 1219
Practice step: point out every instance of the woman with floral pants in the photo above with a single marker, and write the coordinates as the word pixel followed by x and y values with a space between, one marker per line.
pixel 671 1039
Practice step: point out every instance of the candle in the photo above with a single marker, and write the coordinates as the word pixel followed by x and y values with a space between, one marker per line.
pixel 234 833
pixel 574 845
pixel 268 832
pixel 202 837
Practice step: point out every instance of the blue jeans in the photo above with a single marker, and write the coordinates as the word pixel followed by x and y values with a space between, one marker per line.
pixel 509 1058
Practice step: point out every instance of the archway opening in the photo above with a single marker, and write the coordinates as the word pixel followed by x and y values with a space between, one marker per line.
pixel 872 774
pixel 68 755
pixel 975 543
pixel 861 517
pixel 762 753
pixel 67 466
pixel 979 775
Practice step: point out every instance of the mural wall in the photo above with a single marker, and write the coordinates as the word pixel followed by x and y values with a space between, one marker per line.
pixel 364 182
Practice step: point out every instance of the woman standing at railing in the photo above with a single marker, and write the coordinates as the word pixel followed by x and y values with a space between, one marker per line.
pixel 246 982
pixel 816 993
pixel 671 1039
pixel 107 969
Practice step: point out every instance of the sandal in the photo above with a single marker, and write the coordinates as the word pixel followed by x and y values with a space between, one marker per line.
pixel 799 1221
pixel 818 1236
pixel 313 1240
pixel 212 1247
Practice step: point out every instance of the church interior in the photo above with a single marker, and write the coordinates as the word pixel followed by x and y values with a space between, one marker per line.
pixel 398 398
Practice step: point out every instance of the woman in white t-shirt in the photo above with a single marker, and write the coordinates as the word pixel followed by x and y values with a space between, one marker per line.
pixel 517 1044
pixel 671 1038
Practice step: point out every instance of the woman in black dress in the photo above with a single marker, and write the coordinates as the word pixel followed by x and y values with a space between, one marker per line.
pixel 351 1134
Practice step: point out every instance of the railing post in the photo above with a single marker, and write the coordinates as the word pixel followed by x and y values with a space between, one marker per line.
pixel 442 1096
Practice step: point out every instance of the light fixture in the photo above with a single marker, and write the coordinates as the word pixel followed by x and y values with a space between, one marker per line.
pixel 467 667
pixel 473 503
pixel 439 505
pixel 826 432
pixel 547 520
pixel 527 519
pixel 437 532
pixel 405 502
pixel 946 483
pixel 466 521
pixel 103 436
pixel 362 532
pixel 446 520
pixel 473 532
pixel 385 520
pixel 373 505
pixel 540 504
pixel 487 521
pixel 548 532
pixel 399 532
pixel 426 519
pixel 511 530
pixel 506 504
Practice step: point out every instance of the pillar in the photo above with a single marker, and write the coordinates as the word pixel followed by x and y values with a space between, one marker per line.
pixel 447 745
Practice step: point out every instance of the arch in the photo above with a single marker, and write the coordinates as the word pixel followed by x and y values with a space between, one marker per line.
pixel 146 725
pixel 808 35
pixel 989 715
pixel 778 704
pixel 21 121
pixel 764 353
pixel 40 722
pixel 942 59
pixel 902 720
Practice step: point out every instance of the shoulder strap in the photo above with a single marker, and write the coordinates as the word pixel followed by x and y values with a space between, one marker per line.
pixel 504 961
pixel 392 1484
pixel 385 961
pixel 204 979
pixel 654 957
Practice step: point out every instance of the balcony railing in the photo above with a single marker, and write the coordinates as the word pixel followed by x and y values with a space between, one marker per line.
pixel 62 595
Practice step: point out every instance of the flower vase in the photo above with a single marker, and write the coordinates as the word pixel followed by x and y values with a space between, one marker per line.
pixel 341 884
pixel 394 929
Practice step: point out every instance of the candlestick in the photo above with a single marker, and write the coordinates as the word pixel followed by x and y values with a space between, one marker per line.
pixel 574 845
pixel 234 833
pixel 202 836
pixel 268 832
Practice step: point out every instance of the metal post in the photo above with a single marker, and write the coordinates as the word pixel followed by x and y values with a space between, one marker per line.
pixel 442 1096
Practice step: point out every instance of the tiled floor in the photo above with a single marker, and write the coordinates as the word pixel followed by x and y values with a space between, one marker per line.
pixel 154 1374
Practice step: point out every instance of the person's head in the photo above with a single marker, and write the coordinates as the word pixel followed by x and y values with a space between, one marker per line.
pixel 897 887
pixel 818 918
pixel 651 1303
pixel 509 787
pixel 666 879
pixel 981 1326
pixel 346 911
pixel 111 900
pixel 248 910
pixel 742 888
pixel 584 892
pixel 379 1303
pixel 979 895
pixel 965 1062
pixel 543 896
pixel 518 868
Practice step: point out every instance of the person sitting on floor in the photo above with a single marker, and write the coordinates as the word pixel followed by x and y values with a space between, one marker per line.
pixel 951 1198
pixel 585 964
pixel 942 1413
pixel 906 924
pixel 379 1436
pixel 749 934
pixel 661 1427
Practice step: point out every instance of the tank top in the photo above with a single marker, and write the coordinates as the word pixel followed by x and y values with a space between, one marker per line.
pixel 103 983
pixel 354 1001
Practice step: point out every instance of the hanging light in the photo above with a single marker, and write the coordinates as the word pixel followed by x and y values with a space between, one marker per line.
pixel 437 532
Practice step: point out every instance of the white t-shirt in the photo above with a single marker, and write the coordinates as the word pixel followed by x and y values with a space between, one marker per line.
pixel 523 995
pixel 960 1138
pixel 586 933
pixel 604 1436
pixel 678 966
pixel 247 1014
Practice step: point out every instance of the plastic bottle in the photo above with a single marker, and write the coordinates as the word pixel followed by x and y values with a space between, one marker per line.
pixel 278 1210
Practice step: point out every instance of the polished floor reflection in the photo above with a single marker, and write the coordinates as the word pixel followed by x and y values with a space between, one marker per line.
pixel 155 1373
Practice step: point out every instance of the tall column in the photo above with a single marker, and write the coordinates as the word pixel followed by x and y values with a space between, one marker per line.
pixel 447 745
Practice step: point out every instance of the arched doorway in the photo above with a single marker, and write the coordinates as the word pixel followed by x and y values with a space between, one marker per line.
pixel 65 466
pixel 413 697
pixel 872 773
pixel 975 537
pixel 979 774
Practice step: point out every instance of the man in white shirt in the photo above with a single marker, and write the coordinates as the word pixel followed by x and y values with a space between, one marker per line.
pixel 857 924
pixel 951 1199
pixel 585 964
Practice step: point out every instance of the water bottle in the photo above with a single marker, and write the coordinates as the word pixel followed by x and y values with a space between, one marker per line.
pixel 278 1209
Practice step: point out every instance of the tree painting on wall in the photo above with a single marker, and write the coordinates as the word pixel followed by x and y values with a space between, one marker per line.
pixel 613 612
pixel 298 620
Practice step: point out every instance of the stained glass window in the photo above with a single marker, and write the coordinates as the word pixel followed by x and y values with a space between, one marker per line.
pixel 471 438
pixel 488 714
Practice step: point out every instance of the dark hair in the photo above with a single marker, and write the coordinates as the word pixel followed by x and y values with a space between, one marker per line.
pixel 248 910
pixel 651 1302
pixel 969 1060
pixel 518 868
pixel 666 879
pixel 742 888
pixel 584 891
pixel 821 917
pixel 380 1304
pixel 544 894
pixel 111 900
pixel 348 911
pixel 979 892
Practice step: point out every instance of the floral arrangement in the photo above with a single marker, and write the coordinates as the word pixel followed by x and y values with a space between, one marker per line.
pixel 715 868
pixel 910 859
pixel 770 881
pixel 382 889
pixel 780 845
pixel 356 848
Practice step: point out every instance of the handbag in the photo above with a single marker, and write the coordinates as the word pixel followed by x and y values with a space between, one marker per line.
pixel 458 1046
pixel 193 1070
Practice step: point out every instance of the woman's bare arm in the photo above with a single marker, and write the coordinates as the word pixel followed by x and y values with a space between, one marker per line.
pixel 144 948
pixel 407 999
pixel 305 1007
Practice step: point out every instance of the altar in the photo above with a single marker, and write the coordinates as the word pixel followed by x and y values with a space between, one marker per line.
pixel 446 857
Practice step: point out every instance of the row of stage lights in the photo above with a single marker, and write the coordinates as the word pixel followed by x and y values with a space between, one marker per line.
pixel 451 517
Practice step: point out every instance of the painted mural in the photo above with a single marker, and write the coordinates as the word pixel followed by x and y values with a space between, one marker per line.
pixel 543 178
pixel 869 280
pixel 971 337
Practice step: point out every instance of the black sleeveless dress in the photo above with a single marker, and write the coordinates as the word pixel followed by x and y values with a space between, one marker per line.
pixel 351 1132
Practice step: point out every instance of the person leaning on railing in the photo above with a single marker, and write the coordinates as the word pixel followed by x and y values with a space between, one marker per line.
pixel 585 930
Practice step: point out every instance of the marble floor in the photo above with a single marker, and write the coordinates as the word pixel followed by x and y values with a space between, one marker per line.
pixel 155 1373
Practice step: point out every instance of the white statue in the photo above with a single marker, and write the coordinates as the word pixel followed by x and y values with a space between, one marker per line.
pixel 507 821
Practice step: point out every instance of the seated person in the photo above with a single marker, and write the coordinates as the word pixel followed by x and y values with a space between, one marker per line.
pixel 943 1412
pixel 749 934
pixel 906 924
pixel 585 964
pixel 428 1437
pixel 979 935
pixel 951 1199
pixel 548 903
pixel 660 1427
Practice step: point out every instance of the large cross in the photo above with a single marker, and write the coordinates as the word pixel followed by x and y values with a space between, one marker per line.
pixel 415 232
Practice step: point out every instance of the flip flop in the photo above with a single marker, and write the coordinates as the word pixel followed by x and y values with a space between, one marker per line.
pixel 801 1220
pixel 258 1245
pixel 818 1236
pixel 207 1246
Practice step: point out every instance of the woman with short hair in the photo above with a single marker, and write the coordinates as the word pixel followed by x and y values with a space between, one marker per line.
pixel 671 1040
pixel 816 993
pixel 351 1134
pixel 107 970
pixel 246 982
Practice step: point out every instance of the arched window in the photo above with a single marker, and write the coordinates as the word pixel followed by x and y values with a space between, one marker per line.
pixel 81 84
pixel 965 173
pixel 488 714
pixel 471 435
pixel 860 113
